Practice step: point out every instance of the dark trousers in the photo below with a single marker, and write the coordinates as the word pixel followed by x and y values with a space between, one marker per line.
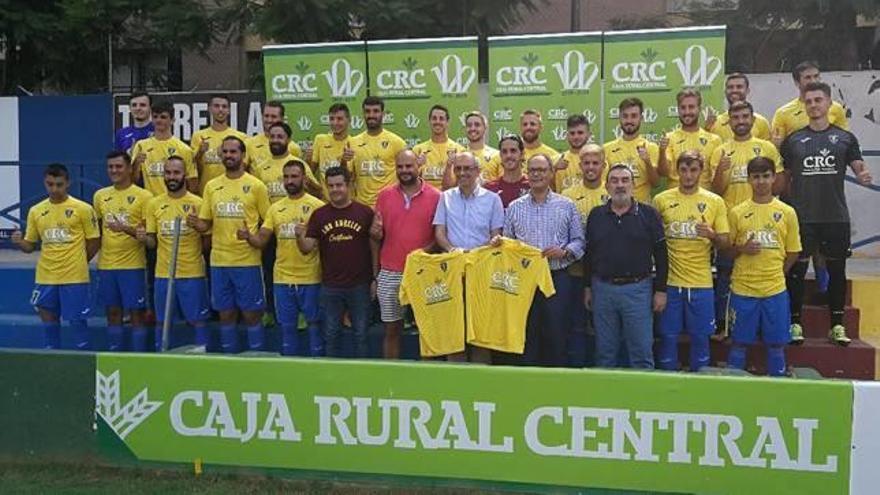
pixel 549 324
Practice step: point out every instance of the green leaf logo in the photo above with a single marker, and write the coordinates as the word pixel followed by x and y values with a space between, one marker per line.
pixel 649 54
pixel 301 67
pixel 409 63
pixel 530 59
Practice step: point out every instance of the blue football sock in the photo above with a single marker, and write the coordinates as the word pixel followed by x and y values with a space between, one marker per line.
pixel 737 357
pixel 289 340
pixel 52 335
pixel 81 337
pixel 699 352
pixel 139 339
pixel 316 340
pixel 201 334
pixel 667 355
pixel 228 339
pixel 775 360
pixel 255 337
pixel 115 338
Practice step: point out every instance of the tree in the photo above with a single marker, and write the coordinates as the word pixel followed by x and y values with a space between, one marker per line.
pixel 62 45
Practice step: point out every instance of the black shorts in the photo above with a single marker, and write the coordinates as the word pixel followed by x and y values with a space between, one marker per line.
pixel 831 240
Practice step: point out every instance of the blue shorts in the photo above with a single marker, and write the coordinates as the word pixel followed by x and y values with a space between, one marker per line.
pixel 190 299
pixel 124 289
pixel 688 309
pixel 290 300
pixel 770 316
pixel 237 287
pixel 69 301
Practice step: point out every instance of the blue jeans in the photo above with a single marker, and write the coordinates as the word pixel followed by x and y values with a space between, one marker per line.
pixel 335 301
pixel 549 324
pixel 623 314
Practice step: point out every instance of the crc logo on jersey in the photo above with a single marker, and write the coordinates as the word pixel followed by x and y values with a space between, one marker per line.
pixel 302 85
pixel 697 68
pixel 287 230
pixel 56 235
pixel 119 217
pixel 767 237
pixel 437 292
pixel 230 209
pixel 682 230
pixel 408 81
pixel 276 189
pixel 344 81
pixel 825 163
pixel 156 169
pixel 372 168
pixel 505 281
pixel 576 73
pixel 166 228
pixel 455 77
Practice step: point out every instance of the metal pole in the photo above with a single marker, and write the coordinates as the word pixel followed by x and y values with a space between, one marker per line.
pixel 575 16
pixel 169 294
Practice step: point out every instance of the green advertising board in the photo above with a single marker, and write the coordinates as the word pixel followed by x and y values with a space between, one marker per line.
pixel 658 432
pixel 559 75
pixel 654 65
pixel 307 79
pixel 413 75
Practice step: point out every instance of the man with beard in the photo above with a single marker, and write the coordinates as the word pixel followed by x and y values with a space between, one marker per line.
pixel 233 206
pixel 149 154
pixel 340 231
pixel 258 145
pixel 334 148
pixel 793 115
pixel 689 137
pixel 296 276
pixel 730 162
pixel 402 224
pixel 141 125
pixel 476 126
pixel 624 240
pixel 736 88
pixel 437 154
pixel 633 150
pixel 206 142
pixel 695 220
pixel 190 286
pixel 513 183
pixel 374 153
pixel 530 127
pixel 568 170
pixel 121 278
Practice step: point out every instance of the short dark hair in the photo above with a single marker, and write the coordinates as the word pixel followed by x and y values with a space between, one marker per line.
pixel 339 107
pixel 478 114
pixel 801 67
pixel 512 137
pixel 619 166
pixel 689 93
pixel 56 170
pixel 373 100
pixel 163 106
pixel 737 75
pixel 222 96
pixel 119 154
pixel 335 171
pixel 740 105
pixel 576 120
pixel 177 158
pixel 759 165
pixel 630 102
pixel 275 104
pixel 819 86
pixel 688 157
pixel 141 94
pixel 241 145
pixel 439 107
pixel 295 163
pixel 287 129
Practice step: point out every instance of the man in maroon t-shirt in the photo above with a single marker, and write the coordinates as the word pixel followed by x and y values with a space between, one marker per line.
pixel 340 231
pixel 512 184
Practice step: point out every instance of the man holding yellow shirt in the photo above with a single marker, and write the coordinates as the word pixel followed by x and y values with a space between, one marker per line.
pixel 436 155
pixel 149 154
pixel 233 206
pixel 68 231
pixel 633 150
pixel 121 266
pixel 687 138
pixel 206 142
pixel 374 153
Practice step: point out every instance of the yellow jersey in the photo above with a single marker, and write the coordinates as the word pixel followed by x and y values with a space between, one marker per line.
pixel 432 285
pixel 160 214
pixel 436 156
pixel 775 226
pixel 680 141
pixel 793 117
pixel 495 170
pixel 211 163
pixel 736 178
pixel 690 256
pixel 374 163
pixel 271 172
pixel 231 204
pixel 585 199
pixel 626 152
pixel 63 229
pixel 484 157
pixel 257 150
pixel 326 153
pixel 570 175
pixel 721 127
pixel 157 151
pixel 501 284
pixel 120 251
pixel 291 265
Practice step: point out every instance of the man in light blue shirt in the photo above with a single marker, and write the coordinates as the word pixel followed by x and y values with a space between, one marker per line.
pixel 467 216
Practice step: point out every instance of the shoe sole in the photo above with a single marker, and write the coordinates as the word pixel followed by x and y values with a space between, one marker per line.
pixel 796 342
pixel 841 343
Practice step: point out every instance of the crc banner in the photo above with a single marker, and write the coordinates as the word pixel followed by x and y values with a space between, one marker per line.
pixel 310 78
pixel 691 433
pixel 413 75
pixel 654 65
pixel 558 75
